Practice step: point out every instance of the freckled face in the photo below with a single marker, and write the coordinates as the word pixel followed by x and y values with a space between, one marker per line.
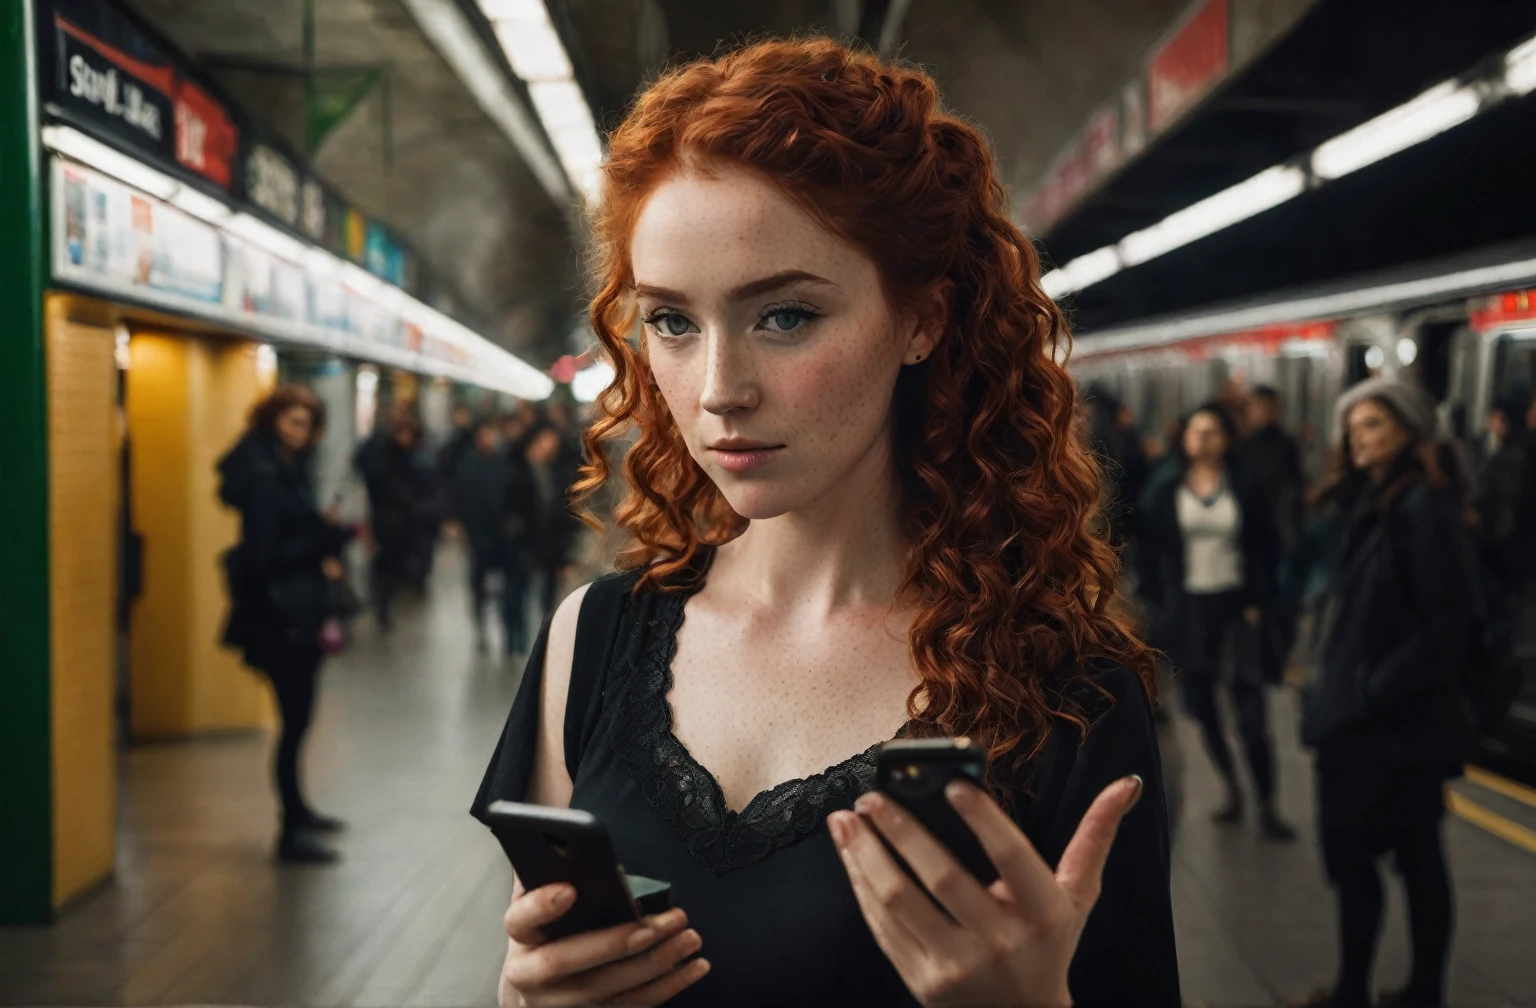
pixel 771 340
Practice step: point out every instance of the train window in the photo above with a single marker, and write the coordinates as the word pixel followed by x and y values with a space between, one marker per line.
pixel 1514 368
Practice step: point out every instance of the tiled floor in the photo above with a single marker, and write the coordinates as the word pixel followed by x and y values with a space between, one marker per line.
pixel 199 914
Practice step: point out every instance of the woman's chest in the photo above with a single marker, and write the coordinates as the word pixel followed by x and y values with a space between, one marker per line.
pixel 759 708
pixel 774 908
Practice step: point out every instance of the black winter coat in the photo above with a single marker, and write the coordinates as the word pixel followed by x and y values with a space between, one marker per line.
pixel 1397 616
pixel 483 481
pixel 1273 460
pixel 278 591
pixel 1160 552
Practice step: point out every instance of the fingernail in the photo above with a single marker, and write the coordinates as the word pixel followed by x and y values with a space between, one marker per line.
pixel 562 896
pixel 959 794
pixel 867 802
pixel 701 966
pixel 691 942
pixel 641 939
pixel 838 829
pixel 1140 786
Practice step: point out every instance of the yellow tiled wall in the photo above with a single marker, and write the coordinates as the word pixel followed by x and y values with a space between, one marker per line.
pixel 83 444
pixel 187 399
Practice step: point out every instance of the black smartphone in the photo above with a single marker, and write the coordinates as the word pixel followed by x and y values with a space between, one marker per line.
pixel 547 845
pixel 913 773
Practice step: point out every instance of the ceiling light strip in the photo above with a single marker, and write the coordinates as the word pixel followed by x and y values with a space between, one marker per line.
pixel 1443 107
pixel 535 53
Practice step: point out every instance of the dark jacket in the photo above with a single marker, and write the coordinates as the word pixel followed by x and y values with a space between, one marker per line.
pixel 1504 514
pixel 278 591
pixel 482 483
pixel 1273 461
pixel 400 499
pixel 1397 616
pixel 553 529
pixel 1160 551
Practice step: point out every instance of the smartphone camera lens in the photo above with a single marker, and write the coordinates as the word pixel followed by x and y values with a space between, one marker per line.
pixel 908 779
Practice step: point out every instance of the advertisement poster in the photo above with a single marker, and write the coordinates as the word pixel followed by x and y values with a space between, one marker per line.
pixel 207 141
pixel 128 240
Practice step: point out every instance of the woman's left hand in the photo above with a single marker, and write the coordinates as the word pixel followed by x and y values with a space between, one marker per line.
pixel 1009 943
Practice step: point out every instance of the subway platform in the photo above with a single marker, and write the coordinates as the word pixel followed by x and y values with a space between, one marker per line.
pixel 199 914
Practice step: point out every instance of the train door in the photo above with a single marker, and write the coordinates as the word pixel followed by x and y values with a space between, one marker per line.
pixel 1512 379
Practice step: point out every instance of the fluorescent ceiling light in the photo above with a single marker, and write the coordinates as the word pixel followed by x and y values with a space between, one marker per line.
pixel 1430 114
pixel 514 10
pixel 534 50
pixel 88 150
pixel 1083 271
pixel 1441 108
pixel 444 24
pixel 200 205
pixel 1520 68
pixel 561 105
pixel 1267 189
pixel 589 383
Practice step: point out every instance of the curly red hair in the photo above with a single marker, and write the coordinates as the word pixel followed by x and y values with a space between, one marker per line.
pixel 1011 581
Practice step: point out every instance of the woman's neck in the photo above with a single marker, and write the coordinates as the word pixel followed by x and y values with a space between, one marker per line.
pixel 1204 470
pixel 846 547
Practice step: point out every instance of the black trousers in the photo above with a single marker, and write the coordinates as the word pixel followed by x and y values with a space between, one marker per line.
pixel 1367 808
pixel 294 673
pixel 1210 654
pixel 509 560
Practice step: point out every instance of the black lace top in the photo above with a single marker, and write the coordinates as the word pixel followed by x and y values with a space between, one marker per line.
pixel 764 886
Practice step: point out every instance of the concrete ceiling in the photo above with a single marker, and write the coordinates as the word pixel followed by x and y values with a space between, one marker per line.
pixel 455 186
pixel 1028 71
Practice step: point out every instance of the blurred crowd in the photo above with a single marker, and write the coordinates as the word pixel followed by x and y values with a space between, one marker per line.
pixel 1389 587
pixel 499 482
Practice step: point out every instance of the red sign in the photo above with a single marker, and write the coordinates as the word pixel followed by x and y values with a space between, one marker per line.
pixel 1095 154
pixel 1501 309
pixel 206 140
pixel 1183 69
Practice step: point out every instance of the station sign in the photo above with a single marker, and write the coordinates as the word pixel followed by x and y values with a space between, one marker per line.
pixel 108 73
pixel 1184 68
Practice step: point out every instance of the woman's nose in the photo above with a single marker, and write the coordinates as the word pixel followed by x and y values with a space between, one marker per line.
pixel 730 381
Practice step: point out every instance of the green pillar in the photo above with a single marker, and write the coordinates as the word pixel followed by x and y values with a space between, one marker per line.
pixel 26 808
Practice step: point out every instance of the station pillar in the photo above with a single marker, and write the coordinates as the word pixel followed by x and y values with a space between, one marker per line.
pixel 26 763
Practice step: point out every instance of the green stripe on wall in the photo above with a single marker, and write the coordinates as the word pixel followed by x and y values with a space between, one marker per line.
pixel 26 840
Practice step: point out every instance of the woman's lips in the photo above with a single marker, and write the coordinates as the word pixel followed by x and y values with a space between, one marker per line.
pixel 742 459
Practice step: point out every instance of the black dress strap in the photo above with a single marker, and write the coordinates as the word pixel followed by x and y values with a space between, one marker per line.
pixel 602 611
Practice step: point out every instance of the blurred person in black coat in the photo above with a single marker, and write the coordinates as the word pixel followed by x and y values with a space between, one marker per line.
pixel 554 528
pixel 1386 716
pixel 279 582
pixel 1505 502
pixel 1207 560
pixel 483 484
pixel 400 502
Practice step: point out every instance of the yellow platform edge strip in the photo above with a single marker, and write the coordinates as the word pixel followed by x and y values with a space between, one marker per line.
pixel 1502 785
pixel 1491 822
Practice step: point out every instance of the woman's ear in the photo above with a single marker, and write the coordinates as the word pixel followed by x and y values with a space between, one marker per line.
pixel 928 319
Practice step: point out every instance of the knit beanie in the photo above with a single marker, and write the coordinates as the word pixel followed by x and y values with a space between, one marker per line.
pixel 1410 402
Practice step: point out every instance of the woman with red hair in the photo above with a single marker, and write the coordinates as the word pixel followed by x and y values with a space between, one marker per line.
pixel 856 474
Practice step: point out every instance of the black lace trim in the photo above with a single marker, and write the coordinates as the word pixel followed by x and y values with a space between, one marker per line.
pixel 686 794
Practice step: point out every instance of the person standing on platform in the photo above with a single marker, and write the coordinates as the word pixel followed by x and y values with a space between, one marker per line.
pixel 1207 557
pixel 398 495
pixel 483 480
pixel 1385 715
pixel 1504 503
pixel 279 584
pixel 1272 459
pixel 460 442
pixel 555 528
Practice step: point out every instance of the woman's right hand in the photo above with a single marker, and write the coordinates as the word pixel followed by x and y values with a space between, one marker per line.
pixel 631 964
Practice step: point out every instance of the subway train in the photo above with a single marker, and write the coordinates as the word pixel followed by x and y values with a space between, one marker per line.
pixel 1465 330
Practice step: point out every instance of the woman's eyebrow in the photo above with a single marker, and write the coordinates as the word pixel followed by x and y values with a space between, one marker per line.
pixel 756 288
pixel 750 289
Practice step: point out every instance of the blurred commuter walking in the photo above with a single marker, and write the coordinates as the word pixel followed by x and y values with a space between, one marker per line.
pixel 1207 558
pixel 400 501
pixel 484 483
pixel 1386 716
pixel 1272 459
pixel 1505 503
pixel 554 529
pixel 280 587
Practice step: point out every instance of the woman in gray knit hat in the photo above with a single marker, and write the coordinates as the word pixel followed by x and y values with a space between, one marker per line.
pixel 1384 715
